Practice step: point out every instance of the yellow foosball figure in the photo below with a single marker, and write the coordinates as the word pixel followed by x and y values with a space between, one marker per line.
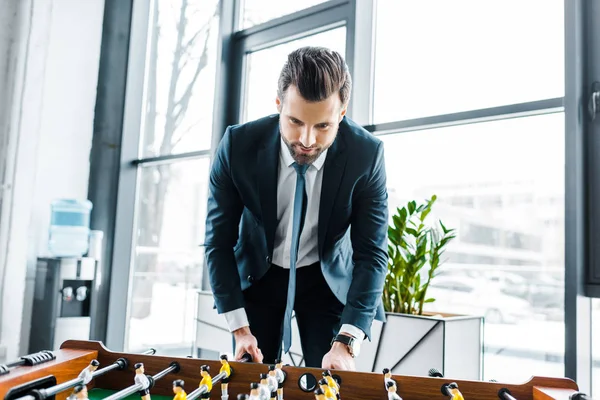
pixel 180 394
pixel 451 390
pixel 319 394
pixel 206 381
pixel 332 383
pixel 225 368
pixel 326 390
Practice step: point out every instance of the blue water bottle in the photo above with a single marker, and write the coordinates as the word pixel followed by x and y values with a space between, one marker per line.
pixel 69 227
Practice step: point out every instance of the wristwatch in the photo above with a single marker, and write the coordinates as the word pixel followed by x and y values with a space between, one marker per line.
pixel 352 344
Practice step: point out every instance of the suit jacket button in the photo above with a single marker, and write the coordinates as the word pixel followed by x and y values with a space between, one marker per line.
pixel 268 259
pixel 250 278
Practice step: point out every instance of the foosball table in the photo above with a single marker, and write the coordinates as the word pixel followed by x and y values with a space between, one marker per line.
pixel 82 370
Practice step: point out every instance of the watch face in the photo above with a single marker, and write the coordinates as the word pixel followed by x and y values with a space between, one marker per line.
pixel 355 348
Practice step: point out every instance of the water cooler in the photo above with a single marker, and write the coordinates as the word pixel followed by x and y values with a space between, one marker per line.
pixel 65 287
pixel 63 301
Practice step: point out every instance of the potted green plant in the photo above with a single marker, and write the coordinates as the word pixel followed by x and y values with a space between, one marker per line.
pixel 415 250
pixel 412 341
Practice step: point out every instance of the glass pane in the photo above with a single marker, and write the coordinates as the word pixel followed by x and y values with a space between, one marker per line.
pixel 264 67
pixel 167 271
pixel 595 348
pixel 180 80
pixel 501 186
pixel 443 57
pixel 258 11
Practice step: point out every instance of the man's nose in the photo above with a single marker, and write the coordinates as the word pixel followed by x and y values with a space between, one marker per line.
pixel 307 137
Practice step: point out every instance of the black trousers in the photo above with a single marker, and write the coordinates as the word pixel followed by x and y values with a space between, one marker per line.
pixel 318 312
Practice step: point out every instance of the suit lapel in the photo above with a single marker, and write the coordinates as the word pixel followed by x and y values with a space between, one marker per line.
pixel 267 164
pixel 332 177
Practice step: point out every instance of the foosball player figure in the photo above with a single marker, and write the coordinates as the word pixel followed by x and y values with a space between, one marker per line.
pixel 319 394
pixel 272 381
pixel 86 373
pixel 206 381
pixel 265 391
pixel 392 391
pixel 142 379
pixel 254 392
pixel 451 390
pixel 281 376
pixel 180 394
pixel 326 389
pixel 225 368
pixel 332 383
pixel 387 377
pixel 242 396
pixel 79 393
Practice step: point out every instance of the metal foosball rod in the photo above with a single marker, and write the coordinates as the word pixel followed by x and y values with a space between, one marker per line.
pixel 504 394
pixel 215 379
pixel 150 352
pixel 87 374
pixel 173 367
pixel 29 360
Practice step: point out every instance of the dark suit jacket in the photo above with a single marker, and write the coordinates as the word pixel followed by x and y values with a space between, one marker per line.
pixel 243 186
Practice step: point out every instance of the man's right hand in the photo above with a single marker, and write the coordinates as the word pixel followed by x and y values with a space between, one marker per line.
pixel 245 342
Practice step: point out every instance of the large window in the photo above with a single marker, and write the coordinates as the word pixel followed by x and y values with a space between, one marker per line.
pixel 170 210
pixel 264 66
pixel 168 258
pixel 448 56
pixel 180 77
pixel 520 293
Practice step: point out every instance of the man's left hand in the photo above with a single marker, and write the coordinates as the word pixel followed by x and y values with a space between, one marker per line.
pixel 339 358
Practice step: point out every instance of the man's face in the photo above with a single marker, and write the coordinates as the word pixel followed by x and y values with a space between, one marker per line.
pixel 308 128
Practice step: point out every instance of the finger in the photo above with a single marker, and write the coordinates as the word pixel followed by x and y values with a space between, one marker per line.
pixel 255 353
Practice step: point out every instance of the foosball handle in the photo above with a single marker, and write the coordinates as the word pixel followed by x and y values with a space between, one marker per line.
pixel 246 358
pixel 434 373
pixel 579 396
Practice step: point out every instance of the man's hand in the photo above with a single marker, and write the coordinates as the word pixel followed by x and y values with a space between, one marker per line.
pixel 245 342
pixel 339 357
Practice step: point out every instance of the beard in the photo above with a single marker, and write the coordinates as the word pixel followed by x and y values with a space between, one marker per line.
pixel 298 155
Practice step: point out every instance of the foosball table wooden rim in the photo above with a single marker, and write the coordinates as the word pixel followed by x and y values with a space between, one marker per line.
pixel 75 355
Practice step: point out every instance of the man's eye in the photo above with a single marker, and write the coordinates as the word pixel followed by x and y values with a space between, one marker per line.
pixel 323 126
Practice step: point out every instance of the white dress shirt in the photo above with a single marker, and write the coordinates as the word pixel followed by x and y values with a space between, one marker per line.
pixel 308 248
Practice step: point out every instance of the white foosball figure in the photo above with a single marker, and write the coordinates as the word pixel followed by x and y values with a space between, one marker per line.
pixel 254 392
pixel 86 373
pixel 391 389
pixel 265 391
pixel 142 379
pixel 387 377
pixel 280 375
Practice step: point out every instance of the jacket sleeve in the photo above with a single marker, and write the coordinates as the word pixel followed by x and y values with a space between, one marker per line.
pixel 369 226
pixel 223 215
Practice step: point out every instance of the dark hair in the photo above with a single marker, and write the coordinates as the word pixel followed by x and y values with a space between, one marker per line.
pixel 263 376
pixel 205 368
pixel 95 363
pixel 136 366
pixel 223 356
pixel 179 383
pixel 390 384
pixel 254 385
pixel 386 370
pixel 317 72
pixel 78 388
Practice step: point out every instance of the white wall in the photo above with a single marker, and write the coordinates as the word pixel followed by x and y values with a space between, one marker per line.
pixel 51 125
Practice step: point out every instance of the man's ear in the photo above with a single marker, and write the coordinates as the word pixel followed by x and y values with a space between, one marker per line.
pixel 343 112
pixel 278 103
